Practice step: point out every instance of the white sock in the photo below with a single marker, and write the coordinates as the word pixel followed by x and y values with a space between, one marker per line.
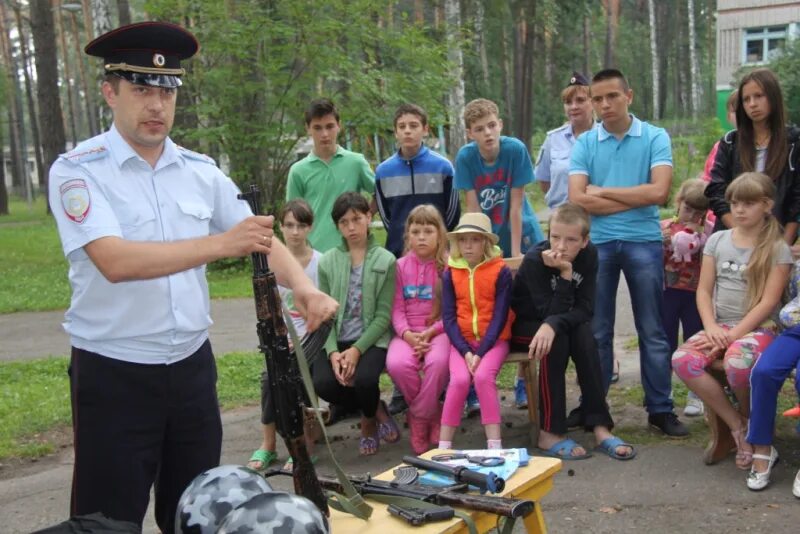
pixel 445 445
pixel 494 443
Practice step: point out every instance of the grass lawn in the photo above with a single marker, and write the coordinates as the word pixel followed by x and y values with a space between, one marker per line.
pixel 34 401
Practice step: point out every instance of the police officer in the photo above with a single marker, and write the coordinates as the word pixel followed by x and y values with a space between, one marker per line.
pixel 552 165
pixel 139 217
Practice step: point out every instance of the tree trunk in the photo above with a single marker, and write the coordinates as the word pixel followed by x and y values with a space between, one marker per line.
pixel 651 8
pixel 480 42
pixel 44 41
pixel 524 40
pixel 3 189
pixel 90 92
pixel 612 27
pixel 505 64
pixel 124 12
pixel 16 115
pixel 694 72
pixel 452 9
pixel 97 19
pixel 419 12
pixel 32 115
pixel 68 80
pixel 587 47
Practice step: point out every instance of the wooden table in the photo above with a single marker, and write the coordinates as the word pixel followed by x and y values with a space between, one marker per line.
pixel 531 482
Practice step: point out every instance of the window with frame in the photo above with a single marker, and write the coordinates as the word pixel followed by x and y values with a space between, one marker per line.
pixel 763 44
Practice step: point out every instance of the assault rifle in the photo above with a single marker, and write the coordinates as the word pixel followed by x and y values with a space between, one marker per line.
pixel 454 495
pixel 285 382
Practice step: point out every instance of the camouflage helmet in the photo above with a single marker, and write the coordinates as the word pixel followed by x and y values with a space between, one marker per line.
pixel 276 512
pixel 212 494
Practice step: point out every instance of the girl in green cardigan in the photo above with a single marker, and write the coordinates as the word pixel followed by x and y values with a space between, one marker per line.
pixel 360 275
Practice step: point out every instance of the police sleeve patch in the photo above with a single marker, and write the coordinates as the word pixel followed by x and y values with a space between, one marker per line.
pixel 75 199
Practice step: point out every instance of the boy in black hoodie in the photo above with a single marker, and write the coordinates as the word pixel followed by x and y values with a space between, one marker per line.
pixel 553 299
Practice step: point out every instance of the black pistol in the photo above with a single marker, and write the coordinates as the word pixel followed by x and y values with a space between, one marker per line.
pixel 420 516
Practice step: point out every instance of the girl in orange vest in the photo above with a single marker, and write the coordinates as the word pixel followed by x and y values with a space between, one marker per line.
pixel 476 293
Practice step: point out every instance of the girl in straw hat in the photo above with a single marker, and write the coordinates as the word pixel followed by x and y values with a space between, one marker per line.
pixel 476 292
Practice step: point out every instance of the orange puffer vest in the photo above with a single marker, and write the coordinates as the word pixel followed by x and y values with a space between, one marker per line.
pixel 475 295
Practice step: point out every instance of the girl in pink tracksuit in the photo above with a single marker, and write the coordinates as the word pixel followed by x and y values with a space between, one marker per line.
pixel 420 343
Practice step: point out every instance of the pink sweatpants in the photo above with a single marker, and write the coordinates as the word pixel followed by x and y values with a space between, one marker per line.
pixel 485 380
pixel 421 393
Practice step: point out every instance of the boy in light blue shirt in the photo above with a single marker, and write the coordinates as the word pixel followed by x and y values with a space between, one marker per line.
pixel 621 172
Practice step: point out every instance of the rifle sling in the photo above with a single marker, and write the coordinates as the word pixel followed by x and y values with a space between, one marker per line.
pixel 356 504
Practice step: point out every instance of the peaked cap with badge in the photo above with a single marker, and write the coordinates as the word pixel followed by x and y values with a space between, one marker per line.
pixel 145 53
pixel 577 78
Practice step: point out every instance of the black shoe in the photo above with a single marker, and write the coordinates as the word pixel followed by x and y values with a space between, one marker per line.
pixel 669 424
pixel 397 405
pixel 575 418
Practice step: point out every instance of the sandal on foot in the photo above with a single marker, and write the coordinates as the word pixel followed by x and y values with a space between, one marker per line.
pixel 609 446
pixel 563 450
pixel 289 465
pixel 388 430
pixel 744 459
pixel 758 481
pixel 796 485
pixel 367 445
pixel 263 457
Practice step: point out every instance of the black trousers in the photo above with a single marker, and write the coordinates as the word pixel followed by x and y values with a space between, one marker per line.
pixel 578 343
pixel 365 392
pixel 136 426
pixel 267 409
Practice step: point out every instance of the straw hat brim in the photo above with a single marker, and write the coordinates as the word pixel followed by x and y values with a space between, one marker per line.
pixel 474 230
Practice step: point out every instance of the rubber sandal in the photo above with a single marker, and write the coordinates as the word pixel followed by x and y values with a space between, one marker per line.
pixel 387 428
pixel 290 462
pixel 367 443
pixel 609 446
pixel 263 456
pixel 563 450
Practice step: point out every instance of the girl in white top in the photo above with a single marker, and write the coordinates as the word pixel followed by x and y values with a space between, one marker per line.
pixel 297 220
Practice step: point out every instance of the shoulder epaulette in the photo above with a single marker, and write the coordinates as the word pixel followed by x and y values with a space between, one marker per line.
pixel 197 156
pixel 554 130
pixel 83 155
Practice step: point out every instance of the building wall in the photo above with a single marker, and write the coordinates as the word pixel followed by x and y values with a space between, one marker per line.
pixel 734 17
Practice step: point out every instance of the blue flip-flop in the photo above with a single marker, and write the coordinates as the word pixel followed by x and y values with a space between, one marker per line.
pixel 609 446
pixel 563 450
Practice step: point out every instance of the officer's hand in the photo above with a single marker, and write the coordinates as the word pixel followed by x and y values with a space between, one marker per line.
pixel 254 234
pixel 315 306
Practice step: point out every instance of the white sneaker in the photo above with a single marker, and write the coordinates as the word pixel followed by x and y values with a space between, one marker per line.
pixel 694 406
pixel 796 486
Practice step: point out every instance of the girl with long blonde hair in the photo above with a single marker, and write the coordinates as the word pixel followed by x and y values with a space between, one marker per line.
pixel 742 279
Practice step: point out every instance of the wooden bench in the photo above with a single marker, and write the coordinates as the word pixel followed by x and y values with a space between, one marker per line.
pixel 721 442
pixel 530 369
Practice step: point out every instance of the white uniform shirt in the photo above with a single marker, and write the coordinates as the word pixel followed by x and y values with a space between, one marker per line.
pixel 552 165
pixel 103 188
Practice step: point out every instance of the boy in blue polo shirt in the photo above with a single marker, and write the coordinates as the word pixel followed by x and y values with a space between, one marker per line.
pixel 412 176
pixel 621 172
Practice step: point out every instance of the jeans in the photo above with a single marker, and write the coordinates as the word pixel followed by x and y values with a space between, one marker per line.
pixel 642 264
